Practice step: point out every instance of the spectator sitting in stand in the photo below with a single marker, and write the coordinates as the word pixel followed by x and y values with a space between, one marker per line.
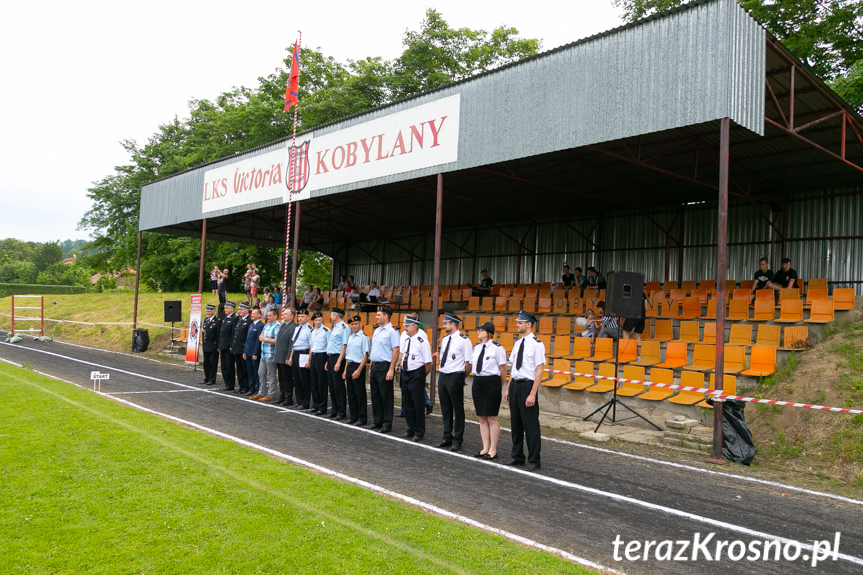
pixel 485 287
pixel 580 279
pixel 567 278
pixel 374 292
pixel 595 279
pixel 308 296
pixel 341 285
pixel 317 302
pixel 763 276
pixel 349 286
pixel 785 278
pixel 607 325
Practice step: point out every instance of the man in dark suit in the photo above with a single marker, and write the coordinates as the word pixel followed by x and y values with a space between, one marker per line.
pixel 226 335
pixel 238 343
pixel 284 349
pixel 210 328
pixel 252 352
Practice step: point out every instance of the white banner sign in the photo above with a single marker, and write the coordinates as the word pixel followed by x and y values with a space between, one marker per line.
pixel 246 182
pixel 417 138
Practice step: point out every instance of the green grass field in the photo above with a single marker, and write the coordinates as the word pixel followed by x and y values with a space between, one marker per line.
pixel 93 486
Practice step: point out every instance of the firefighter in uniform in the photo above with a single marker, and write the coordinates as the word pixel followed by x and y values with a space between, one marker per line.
pixel 226 335
pixel 528 362
pixel 456 350
pixel 238 343
pixel 210 328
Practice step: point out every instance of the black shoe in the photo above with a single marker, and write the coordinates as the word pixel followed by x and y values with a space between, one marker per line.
pixel 400 415
pixel 417 438
pixel 209 383
pixel 407 435
pixel 429 408
pixel 351 421
pixel 205 383
pixel 334 416
pixel 278 403
pixel 512 462
pixel 312 410
pixel 444 444
pixel 487 458
pixel 456 447
pixel 480 454
pixel 373 426
pixel 226 389
pixel 532 466
pixel 322 413
pixel 360 424
pixel 386 429
pixel 289 404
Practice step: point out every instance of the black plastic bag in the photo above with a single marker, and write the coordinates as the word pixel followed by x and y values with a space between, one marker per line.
pixel 141 340
pixel 737 444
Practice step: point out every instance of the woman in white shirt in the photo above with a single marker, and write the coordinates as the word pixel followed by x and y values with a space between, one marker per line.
pixel 489 374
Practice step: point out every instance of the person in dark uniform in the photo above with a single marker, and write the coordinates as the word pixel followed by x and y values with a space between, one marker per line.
pixel 282 354
pixel 320 339
pixel 210 328
pixel 455 353
pixel 357 357
pixel 226 336
pixel 528 362
pixel 238 343
pixel 489 373
pixel 336 363
pixel 252 353
pixel 300 360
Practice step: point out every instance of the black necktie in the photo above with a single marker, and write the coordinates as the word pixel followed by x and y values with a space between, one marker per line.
pixel 407 351
pixel 296 334
pixel 479 363
pixel 520 356
pixel 446 351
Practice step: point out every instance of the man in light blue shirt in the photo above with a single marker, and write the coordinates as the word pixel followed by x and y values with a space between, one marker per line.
pixel 384 356
pixel 302 342
pixel 320 339
pixel 267 370
pixel 335 363
pixel 357 357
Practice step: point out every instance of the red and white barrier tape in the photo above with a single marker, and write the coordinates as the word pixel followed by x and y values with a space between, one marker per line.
pixel 90 323
pixel 716 393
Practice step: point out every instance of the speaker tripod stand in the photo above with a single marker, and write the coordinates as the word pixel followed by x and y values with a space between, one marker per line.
pixel 611 404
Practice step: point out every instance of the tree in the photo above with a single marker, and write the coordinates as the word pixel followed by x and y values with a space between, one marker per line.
pixel 825 34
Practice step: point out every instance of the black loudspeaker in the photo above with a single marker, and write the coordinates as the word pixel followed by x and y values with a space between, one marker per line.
pixel 623 294
pixel 172 311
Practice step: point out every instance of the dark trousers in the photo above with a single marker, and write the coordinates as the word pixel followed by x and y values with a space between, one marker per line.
pixel 413 386
pixel 227 367
pixel 451 394
pixel 211 364
pixel 319 381
pixel 252 366
pixel 336 381
pixel 357 393
pixel 302 379
pixel 382 394
pixel 524 421
pixel 286 383
pixel 242 374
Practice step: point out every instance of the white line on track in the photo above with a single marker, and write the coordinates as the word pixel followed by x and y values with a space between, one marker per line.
pixel 783 486
pixel 365 484
pixel 567 484
pixel 152 391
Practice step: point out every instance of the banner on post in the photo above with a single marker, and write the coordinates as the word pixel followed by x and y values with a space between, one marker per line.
pixel 194 329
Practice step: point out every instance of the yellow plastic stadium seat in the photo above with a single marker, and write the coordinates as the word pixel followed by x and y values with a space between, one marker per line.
pixel 627 350
pixel 500 304
pixel 688 331
pixel 659 393
pixel 628 389
pixel 582 382
pixel 576 306
pixel 768 335
pixel 544 305
pixel 546 325
pixel 529 304
pixel 603 385
pixel 649 354
pixel 709 334
pixel 764 310
pixel 499 322
pixel 558 379
pixel 469 322
pixel 558 303
pixel 689 379
pixel 765 294
pixel 559 347
pixel 602 349
pixel 788 294
pixel 729 387
pixel 843 299
pixel 563 326
pixel 790 311
pixel 741 334
pixel 514 304
pixel 580 348
pixel 816 283
pixel 815 294
pixel 821 311
pixel 711 310
pixel 796 338
pixel 473 304
pixel 762 362
pixel 651 307
pixel 669 308
pixel 675 355
pixel 662 331
pixel 703 357
pixel 738 310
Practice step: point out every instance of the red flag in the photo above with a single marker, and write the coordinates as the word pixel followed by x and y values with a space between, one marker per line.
pixel 292 92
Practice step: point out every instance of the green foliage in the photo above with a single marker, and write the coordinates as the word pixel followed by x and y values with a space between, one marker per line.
pixel 244 118
pixel 22 272
pixel 73 274
pixel 17 251
pixel 7 289
pixel 825 34
pixel 315 270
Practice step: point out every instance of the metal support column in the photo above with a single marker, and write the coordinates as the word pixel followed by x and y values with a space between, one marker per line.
pixel 137 282
pixel 721 261
pixel 438 225
pixel 203 251
pixel 296 257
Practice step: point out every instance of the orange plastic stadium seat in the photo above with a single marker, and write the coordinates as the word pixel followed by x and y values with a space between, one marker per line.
pixel 499 322
pixel 659 393
pixel 795 337
pixel 592 304
pixel 691 308
pixel 649 354
pixel 628 389
pixel 815 294
pixel 544 292
pixel 469 321
pixel 765 294
pixel 768 335
pixel 506 341
pixel 689 379
pixel 487 304
pixel 675 355
pixel 709 334
pixel 514 304
pixel 734 358
pixel 603 349
pixel 603 385
pixel 669 308
pixel 582 382
pixel 558 379
pixel 764 310
pixel 368 330
pixel 762 362
pixel 558 303
pixel 473 304
pixel 678 294
pixel 688 286
pixel 701 294
pixel 511 324
pixel 466 294
pixel 741 334
pixel 500 304
pixel 667 286
pixel 747 284
pixel 843 299
pixel 532 291
pixel 688 331
pixel 651 287
pixel 729 387
pixel 707 285
pixel 821 311
pixel 559 347
pixel 505 291
pixel 591 292
pixel 790 311
pixel 738 310
pixel 546 325
pixel 651 307
pixel 518 292
pixel 529 304
pixel 731 285
pixel 445 294
pixel 711 310
pixel 563 326
pixel 544 305
pixel 627 350
pixel 816 283
pixel 662 331
pixel 576 306
pixel 703 357
pixel 741 294
pixel 580 348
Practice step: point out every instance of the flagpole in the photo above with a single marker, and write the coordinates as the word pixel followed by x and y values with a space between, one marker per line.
pixel 291 174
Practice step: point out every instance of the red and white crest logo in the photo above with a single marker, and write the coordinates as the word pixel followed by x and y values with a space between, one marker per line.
pixel 298 167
